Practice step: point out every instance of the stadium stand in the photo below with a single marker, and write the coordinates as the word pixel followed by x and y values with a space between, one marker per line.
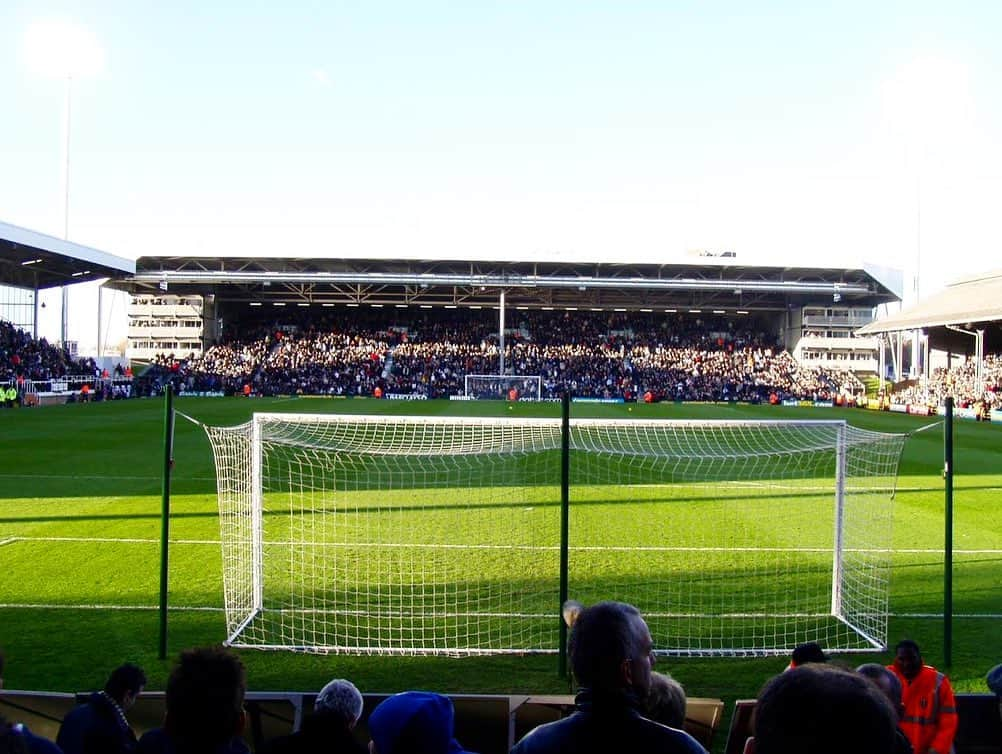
pixel 594 355
pixel 959 382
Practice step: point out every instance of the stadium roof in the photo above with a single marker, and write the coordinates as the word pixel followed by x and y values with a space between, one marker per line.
pixel 970 304
pixel 695 283
pixel 36 261
pixel 968 301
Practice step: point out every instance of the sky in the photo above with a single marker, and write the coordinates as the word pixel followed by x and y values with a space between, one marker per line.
pixel 800 132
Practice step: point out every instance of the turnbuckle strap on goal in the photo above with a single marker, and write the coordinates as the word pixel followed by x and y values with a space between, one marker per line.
pixel 925 427
pixel 192 419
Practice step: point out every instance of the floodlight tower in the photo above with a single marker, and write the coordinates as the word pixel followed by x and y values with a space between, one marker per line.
pixel 61 49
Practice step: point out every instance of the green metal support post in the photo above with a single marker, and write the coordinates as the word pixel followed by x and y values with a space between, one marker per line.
pixel 565 472
pixel 165 513
pixel 948 543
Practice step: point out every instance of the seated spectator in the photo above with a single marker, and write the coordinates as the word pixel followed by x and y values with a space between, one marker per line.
pixel 822 709
pixel 328 730
pixel 414 722
pixel 99 726
pixel 10 741
pixel 666 701
pixel 205 706
pixel 890 687
pixel 994 681
pixel 806 653
pixel 17 738
pixel 611 653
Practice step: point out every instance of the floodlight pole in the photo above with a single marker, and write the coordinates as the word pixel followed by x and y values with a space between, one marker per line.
pixel 948 544
pixel 64 323
pixel 165 513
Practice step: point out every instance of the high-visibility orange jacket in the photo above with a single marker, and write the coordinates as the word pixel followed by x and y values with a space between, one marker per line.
pixel 930 712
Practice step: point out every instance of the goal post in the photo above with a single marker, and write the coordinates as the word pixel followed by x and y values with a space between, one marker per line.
pixel 433 535
pixel 496 386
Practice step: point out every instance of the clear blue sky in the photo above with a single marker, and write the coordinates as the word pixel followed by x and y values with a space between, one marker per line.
pixel 787 130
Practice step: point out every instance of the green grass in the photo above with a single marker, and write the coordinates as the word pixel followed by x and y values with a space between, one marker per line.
pixel 80 522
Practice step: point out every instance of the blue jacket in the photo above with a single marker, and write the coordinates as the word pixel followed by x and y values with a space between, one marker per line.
pixel 96 728
pixel 35 744
pixel 605 724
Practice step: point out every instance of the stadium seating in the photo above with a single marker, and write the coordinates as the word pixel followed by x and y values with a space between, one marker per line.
pixel 591 354
pixel 489 724
pixel 742 726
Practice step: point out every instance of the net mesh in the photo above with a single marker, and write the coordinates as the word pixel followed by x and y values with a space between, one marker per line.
pixel 427 535
pixel 496 386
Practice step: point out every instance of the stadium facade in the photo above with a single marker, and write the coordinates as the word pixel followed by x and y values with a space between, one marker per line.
pixel 181 304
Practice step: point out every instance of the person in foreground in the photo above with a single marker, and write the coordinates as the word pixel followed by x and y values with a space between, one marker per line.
pixel 612 659
pixel 930 712
pixel 328 730
pixel 15 737
pixel 665 701
pixel 205 706
pixel 890 687
pixel 414 722
pixel 822 709
pixel 99 726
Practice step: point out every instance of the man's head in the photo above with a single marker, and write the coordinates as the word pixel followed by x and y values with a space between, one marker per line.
pixel 205 698
pixel 340 699
pixel 125 684
pixel 809 651
pixel 414 722
pixel 666 701
pixel 908 658
pixel 823 710
pixel 886 681
pixel 611 649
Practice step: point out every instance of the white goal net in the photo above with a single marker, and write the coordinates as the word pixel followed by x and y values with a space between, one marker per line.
pixel 499 386
pixel 416 535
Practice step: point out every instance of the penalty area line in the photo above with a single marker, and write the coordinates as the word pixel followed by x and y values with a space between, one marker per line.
pixel 527 548
pixel 210 609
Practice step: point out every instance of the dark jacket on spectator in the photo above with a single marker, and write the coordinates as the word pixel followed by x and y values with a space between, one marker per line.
pixel 97 727
pixel 320 734
pixel 34 744
pixel 156 741
pixel 606 723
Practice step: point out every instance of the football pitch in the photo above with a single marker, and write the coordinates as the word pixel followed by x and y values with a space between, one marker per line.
pixel 80 528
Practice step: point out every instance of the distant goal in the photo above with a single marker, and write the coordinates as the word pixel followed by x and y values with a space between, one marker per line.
pixel 497 386
pixel 431 535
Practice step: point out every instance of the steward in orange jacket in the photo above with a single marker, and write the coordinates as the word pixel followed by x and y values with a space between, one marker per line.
pixel 929 718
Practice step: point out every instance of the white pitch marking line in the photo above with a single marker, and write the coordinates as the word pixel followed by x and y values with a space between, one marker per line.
pixel 41 606
pixel 446 546
pixel 211 609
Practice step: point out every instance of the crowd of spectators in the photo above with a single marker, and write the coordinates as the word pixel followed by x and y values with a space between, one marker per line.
pixel 960 383
pixel 22 357
pixel 817 704
pixel 596 355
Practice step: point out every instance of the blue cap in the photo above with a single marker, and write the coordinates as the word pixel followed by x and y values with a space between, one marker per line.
pixel 414 722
